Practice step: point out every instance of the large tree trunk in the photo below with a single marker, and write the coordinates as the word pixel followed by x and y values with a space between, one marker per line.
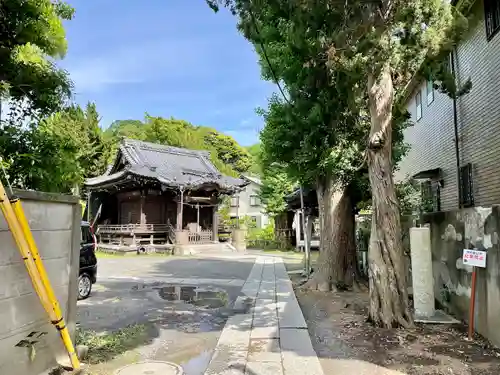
pixel 336 264
pixel 388 289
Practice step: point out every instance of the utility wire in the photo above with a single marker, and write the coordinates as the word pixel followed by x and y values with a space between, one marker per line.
pixel 266 57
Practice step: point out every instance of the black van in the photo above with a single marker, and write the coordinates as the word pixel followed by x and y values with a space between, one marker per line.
pixel 88 261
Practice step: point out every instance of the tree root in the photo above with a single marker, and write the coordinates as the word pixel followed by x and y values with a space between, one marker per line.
pixel 313 284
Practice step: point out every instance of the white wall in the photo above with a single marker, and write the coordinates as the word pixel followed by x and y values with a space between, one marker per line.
pixel 245 209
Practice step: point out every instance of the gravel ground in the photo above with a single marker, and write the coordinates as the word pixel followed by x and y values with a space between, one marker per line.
pixel 348 345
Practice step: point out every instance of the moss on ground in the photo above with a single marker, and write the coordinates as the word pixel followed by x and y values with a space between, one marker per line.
pixel 103 347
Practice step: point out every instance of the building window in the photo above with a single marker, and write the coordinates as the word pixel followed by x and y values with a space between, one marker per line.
pixel 466 186
pixel 234 201
pixel 418 100
pixel 430 92
pixel 430 196
pixel 253 221
pixel 492 17
pixel 254 200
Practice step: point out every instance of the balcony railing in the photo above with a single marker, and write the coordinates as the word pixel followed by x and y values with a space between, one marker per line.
pixel 133 228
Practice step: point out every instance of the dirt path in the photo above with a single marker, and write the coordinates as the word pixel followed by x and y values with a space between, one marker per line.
pixel 347 345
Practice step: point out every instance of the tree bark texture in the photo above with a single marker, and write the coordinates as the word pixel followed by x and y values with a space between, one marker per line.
pixel 389 305
pixel 336 265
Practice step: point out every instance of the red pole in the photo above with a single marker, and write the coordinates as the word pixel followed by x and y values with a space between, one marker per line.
pixel 472 304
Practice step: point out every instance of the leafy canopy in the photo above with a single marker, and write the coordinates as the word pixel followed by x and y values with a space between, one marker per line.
pixel 320 129
pixel 31 36
pixel 57 153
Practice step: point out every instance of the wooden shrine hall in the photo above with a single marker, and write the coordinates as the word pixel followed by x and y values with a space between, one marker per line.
pixel 152 195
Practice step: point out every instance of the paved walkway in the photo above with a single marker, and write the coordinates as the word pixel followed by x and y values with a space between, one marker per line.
pixel 270 336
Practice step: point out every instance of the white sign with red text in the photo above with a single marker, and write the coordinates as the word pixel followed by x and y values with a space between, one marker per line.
pixel 475 258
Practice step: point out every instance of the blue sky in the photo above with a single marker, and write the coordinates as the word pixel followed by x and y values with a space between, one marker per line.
pixel 167 58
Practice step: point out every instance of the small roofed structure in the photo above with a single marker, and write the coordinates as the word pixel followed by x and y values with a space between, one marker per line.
pixel 154 196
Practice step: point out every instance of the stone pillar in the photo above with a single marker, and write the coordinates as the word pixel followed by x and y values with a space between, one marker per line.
pixel 239 239
pixel 308 232
pixel 182 237
pixel 297 230
pixel 215 224
pixel 422 275
pixel 181 246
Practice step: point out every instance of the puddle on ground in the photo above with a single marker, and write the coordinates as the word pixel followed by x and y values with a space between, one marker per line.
pixel 198 364
pixel 212 298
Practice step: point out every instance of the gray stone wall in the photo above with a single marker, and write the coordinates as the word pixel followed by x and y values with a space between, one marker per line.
pixel 29 344
pixel 451 232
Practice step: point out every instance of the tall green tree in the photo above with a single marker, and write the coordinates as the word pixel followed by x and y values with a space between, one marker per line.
pixel 276 185
pixel 31 37
pixel 57 153
pixel 229 151
pixel 255 153
pixel 366 51
pixel 313 132
pixel 380 46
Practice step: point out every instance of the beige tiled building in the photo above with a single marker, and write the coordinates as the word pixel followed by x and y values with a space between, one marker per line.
pixel 476 121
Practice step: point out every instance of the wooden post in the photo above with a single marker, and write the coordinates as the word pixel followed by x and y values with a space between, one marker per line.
pixel 307 265
pixel 143 215
pixel 88 206
pixel 238 211
pixel 197 217
pixel 180 210
pixel 472 306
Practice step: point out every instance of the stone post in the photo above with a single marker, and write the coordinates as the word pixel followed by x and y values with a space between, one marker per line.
pixel 422 275
pixel 182 237
pixel 215 225
pixel 297 230
pixel 239 239
pixel 181 241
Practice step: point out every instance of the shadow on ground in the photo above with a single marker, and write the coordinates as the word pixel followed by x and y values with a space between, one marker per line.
pixel 342 338
pixel 181 323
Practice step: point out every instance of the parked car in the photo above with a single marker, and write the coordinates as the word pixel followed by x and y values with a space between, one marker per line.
pixel 88 261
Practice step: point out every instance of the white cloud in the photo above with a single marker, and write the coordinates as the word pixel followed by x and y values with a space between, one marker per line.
pixel 136 64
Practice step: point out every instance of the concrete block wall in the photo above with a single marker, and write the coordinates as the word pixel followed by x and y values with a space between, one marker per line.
pixel 451 232
pixel 55 223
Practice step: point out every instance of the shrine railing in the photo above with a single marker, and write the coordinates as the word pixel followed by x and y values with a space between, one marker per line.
pixel 132 228
pixel 200 237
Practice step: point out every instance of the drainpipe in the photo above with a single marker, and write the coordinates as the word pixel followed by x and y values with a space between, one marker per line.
pixel 455 126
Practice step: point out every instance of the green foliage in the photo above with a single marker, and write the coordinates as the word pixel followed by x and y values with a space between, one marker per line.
pixel 264 234
pixel 276 185
pixel 229 151
pixel 31 36
pixel 225 212
pixel 229 157
pixel 320 130
pixel 265 238
pixel 409 195
pixel 56 154
pixel 255 154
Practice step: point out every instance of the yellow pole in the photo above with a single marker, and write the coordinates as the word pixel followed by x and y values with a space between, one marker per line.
pixel 50 304
pixel 59 322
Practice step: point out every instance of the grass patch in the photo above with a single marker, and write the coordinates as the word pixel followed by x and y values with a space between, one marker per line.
pixel 104 347
pixel 282 252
